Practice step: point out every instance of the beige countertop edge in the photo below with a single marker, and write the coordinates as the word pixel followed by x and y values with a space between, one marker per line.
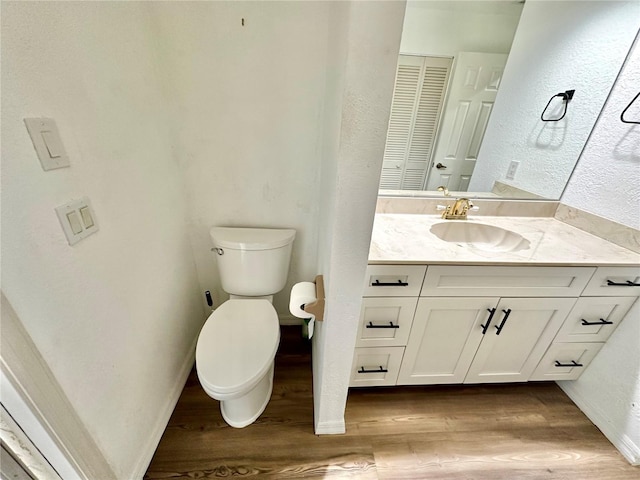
pixel 500 263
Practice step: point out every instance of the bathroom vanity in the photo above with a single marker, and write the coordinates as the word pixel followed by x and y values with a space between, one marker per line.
pixel 486 300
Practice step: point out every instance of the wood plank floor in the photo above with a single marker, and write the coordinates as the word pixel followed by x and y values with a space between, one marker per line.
pixel 494 432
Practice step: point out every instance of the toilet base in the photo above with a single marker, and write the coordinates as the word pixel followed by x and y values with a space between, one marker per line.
pixel 244 410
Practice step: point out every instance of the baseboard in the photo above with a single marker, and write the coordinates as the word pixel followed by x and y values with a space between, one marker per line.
pixel 330 428
pixel 620 440
pixel 163 417
pixel 289 320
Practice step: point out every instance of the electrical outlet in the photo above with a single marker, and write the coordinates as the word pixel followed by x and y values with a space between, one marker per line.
pixel 513 167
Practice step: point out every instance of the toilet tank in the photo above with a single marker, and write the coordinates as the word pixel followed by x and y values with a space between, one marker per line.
pixel 252 262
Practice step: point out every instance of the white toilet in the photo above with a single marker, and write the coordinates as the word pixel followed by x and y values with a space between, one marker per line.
pixel 238 342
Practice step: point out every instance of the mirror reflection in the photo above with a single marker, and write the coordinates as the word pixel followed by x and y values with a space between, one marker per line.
pixel 472 81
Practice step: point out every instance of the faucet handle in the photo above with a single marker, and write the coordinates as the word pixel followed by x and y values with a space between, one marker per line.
pixel 445 190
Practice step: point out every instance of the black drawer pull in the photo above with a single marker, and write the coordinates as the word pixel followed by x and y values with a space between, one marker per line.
pixel 572 364
pixel 399 283
pixel 391 325
pixel 628 283
pixel 485 327
pixel 506 312
pixel 380 370
pixel 601 322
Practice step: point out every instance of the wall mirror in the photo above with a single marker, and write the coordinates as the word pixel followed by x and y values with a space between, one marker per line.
pixel 472 81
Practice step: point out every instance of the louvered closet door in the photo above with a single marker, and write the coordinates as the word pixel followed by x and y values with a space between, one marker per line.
pixel 415 113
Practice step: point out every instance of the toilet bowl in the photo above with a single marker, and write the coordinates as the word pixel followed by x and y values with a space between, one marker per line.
pixel 235 357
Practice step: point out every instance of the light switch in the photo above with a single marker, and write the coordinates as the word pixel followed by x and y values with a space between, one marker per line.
pixel 74 222
pixel 47 142
pixel 77 219
pixel 87 219
pixel 52 142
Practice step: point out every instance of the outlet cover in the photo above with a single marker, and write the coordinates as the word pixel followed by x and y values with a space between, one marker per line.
pixel 513 167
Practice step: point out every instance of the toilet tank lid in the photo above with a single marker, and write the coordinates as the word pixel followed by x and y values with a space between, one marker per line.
pixel 237 238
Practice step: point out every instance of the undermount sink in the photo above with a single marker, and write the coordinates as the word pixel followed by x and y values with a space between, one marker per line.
pixel 480 236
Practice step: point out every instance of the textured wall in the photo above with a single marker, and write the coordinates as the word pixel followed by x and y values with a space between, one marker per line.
pixel 115 315
pixel 606 182
pixel 558 46
pixel 247 105
pixel 370 40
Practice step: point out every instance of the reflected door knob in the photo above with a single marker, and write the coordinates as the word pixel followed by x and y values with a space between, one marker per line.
pixel 440 166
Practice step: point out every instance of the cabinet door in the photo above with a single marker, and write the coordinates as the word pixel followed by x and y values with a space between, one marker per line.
pixel 444 338
pixel 518 338
pixel 385 321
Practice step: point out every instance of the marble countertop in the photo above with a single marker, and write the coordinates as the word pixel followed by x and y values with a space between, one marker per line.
pixel 407 239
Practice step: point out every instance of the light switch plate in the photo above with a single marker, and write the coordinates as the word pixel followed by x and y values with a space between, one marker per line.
pixel 47 142
pixel 78 219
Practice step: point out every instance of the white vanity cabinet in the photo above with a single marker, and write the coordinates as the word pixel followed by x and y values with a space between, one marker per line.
pixel 604 303
pixel 386 318
pixel 466 339
pixel 486 324
pixel 479 340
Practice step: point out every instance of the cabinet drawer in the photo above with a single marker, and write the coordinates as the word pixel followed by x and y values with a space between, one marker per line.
pixel 376 366
pixel 447 281
pixel 593 319
pixel 394 280
pixel 614 281
pixel 385 321
pixel 565 361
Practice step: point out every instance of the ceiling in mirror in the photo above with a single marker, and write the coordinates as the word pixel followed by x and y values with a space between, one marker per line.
pixel 473 79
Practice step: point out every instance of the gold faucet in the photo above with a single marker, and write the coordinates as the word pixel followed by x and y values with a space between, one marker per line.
pixel 457 210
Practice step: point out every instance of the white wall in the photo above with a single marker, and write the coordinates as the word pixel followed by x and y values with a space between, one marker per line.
pixel 446 28
pixel 248 107
pixel 116 315
pixel 606 182
pixel 350 177
pixel 558 46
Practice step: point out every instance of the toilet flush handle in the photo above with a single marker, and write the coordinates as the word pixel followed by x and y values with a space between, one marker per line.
pixel 219 251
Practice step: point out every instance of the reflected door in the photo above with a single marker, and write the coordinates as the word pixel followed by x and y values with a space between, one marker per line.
pixel 415 113
pixel 471 96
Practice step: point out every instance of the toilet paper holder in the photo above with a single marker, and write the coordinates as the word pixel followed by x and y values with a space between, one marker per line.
pixel 316 308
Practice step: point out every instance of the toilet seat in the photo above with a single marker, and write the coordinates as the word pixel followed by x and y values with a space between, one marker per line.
pixel 236 346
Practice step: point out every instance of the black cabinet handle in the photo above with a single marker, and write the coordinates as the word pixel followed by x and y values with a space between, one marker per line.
pixel 506 312
pixel 572 364
pixel 391 325
pixel 380 370
pixel 399 283
pixel 601 322
pixel 485 327
pixel 628 283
